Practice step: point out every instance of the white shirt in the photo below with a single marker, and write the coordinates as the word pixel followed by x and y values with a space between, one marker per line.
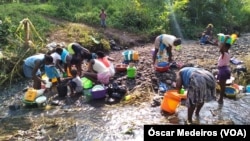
pixel 168 39
pixel 99 67
pixel 78 82
pixel 55 57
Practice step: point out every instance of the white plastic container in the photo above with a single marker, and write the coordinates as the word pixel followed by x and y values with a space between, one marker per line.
pixel 48 84
pixel 41 100
pixel 40 92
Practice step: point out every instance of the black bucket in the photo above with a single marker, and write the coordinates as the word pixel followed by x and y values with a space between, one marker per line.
pixel 62 89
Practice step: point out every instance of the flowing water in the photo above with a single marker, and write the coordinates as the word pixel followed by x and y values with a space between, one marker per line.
pixel 79 120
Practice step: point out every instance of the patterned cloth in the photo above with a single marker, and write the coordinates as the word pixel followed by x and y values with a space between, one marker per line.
pixel 202 87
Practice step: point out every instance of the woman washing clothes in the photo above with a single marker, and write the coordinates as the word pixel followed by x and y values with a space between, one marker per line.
pixel 163 46
pixel 99 69
pixel 201 87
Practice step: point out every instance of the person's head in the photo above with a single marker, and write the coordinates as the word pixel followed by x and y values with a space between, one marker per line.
pixel 224 47
pixel 177 42
pixel 48 59
pixel 74 72
pixel 102 9
pixel 210 26
pixel 59 50
pixel 100 54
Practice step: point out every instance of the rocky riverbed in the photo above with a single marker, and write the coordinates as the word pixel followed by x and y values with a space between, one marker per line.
pixel 74 118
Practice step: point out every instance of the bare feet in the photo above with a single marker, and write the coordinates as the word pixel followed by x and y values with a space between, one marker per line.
pixel 187 122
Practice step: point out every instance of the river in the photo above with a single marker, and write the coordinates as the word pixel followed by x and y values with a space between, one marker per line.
pixel 79 120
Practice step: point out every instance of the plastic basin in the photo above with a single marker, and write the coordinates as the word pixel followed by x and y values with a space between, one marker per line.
pixel 161 69
pixel 162 64
pixel 121 67
pixel 230 91
pixel 98 92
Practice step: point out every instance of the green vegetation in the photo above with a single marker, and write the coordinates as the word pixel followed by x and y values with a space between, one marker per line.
pixel 183 18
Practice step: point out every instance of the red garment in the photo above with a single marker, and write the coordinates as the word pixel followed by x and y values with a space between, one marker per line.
pixel 105 61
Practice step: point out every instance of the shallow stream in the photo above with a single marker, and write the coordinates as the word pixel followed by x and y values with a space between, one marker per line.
pixel 76 119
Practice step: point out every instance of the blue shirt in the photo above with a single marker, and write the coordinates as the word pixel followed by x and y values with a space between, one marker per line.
pixel 186 73
pixel 51 71
pixel 30 61
pixel 64 55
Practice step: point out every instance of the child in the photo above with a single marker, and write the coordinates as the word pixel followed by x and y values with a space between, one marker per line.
pixel 103 16
pixel 223 67
pixel 75 83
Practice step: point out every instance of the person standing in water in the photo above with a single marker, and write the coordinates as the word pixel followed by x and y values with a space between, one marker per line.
pixel 201 87
pixel 223 67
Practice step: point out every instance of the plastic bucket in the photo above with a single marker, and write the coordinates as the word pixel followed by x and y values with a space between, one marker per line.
pixel 131 72
pixel 87 93
pixel 30 95
pixel 128 55
pixel 68 73
pixel 135 55
pixel 62 89
pixel 248 88
pixel 170 101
